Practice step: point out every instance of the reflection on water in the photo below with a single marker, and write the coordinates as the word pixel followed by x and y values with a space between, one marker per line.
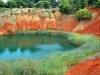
pixel 31 46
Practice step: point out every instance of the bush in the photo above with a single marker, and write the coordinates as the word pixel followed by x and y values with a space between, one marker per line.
pixel 53 11
pixel 29 10
pixel 83 14
pixel 65 8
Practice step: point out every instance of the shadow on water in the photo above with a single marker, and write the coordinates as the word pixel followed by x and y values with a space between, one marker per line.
pixel 32 46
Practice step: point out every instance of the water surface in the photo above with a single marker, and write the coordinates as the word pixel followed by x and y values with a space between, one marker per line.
pixel 32 46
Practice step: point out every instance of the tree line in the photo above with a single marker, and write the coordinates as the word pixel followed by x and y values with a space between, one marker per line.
pixel 76 4
pixel 28 3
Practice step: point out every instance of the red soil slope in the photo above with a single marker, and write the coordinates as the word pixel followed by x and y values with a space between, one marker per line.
pixel 93 28
pixel 91 67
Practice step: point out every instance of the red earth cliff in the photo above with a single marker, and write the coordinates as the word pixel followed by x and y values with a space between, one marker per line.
pixel 33 22
pixel 42 22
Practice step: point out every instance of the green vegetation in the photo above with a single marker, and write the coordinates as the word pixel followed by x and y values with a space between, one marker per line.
pixel 65 7
pixel 74 4
pixel 53 11
pixel 20 67
pixel 41 4
pixel 83 14
pixel 55 64
pixel 98 4
pixel 2 4
pixel 46 4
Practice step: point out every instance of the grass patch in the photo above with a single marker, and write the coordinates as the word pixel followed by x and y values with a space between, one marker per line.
pixel 55 64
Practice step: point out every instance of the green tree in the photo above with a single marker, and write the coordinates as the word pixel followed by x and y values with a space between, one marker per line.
pixel 80 4
pixel 46 4
pixel 98 4
pixel 2 4
pixel 92 2
pixel 83 14
pixel 65 7
pixel 30 4
pixel 39 4
pixel 53 3
pixel 21 3
pixel 11 4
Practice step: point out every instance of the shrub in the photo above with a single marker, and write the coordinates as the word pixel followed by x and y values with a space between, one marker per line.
pixel 29 10
pixel 53 11
pixel 83 14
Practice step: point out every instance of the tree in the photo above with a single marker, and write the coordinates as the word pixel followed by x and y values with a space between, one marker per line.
pixel 21 3
pixel 65 7
pixel 53 3
pixel 92 2
pixel 11 4
pixel 46 4
pixel 80 4
pixel 39 4
pixel 30 4
pixel 83 14
pixel 98 4
pixel 2 4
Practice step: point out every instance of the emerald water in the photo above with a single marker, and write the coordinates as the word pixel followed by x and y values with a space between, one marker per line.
pixel 32 46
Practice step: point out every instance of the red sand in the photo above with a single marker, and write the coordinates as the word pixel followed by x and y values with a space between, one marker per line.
pixel 91 67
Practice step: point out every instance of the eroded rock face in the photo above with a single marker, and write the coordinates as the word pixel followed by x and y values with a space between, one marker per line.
pixel 91 67
pixel 42 21
pixel 9 25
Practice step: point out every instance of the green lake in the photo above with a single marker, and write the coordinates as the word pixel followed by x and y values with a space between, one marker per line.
pixel 32 46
